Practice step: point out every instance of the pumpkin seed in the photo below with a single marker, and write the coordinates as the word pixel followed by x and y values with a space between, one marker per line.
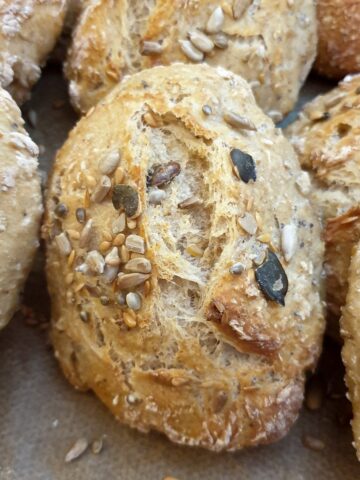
pixel 272 279
pixel 139 265
pixel 215 21
pixel 244 165
pixel 135 243
pixel 63 244
pixel 201 41
pixel 151 48
pixel 126 197
pixel 109 164
pixel 163 174
pixel 131 280
pixel 80 215
pixel 133 301
pixel 191 52
pixel 101 190
pixel 61 210
pixel 238 121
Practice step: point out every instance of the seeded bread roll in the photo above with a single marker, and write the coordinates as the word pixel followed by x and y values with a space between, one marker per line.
pixel 350 328
pixel 339 37
pixel 183 263
pixel 29 29
pixel 271 43
pixel 20 205
pixel 327 138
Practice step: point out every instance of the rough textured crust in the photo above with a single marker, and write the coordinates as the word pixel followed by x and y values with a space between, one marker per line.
pixel 272 44
pixel 28 32
pixel 327 139
pixel 350 332
pixel 339 38
pixel 208 359
pixel 20 205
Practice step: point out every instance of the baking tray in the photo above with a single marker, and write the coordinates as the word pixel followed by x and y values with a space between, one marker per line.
pixel 41 415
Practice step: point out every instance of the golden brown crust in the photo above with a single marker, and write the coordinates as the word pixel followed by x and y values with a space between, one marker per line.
pixel 271 43
pixel 28 32
pixel 221 382
pixel 20 205
pixel 339 38
pixel 350 332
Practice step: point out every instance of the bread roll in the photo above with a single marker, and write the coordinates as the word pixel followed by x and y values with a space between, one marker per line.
pixel 20 205
pixel 28 32
pixel 184 272
pixel 339 38
pixel 271 43
pixel 350 331
pixel 327 139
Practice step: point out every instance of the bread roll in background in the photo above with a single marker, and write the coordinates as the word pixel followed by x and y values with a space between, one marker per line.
pixel 28 33
pixel 327 139
pixel 271 43
pixel 20 205
pixel 339 38
pixel 183 260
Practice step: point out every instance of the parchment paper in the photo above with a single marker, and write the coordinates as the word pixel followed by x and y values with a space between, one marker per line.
pixel 41 415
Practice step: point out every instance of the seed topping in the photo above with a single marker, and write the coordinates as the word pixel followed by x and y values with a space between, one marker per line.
pixel 151 48
pixel 156 196
pixel 95 262
pixel 201 41
pixel 133 301
pixel 131 280
pixel 239 7
pixel 244 165
pixel 63 244
pixel 101 190
pixel 189 202
pixel 86 234
pixel 126 197
pixel 191 52
pixel 207 110
pixel 237 268
pixel 109 164
pixel 118 225
pixel 238 121
pixel 248 223
pixel 220 40
pixel 215 21
pixel 112 258
pixel 135 243
pixel 139 265
pixel 272 279
pixel 289 241
pixel 79 447
pixel 61 210
pixel 163 174
pixel 80 215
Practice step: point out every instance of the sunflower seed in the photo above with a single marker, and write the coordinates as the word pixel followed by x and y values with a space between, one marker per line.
pixel 139 265
pixel 313 443
pixel 101 190
pixel 163 174
pixel 151 48
pixel 201 41
pixel 289 241
pixel 131 280
pixel 239 7
pixel 61 210
pixel 110 273
pixel 80 215
pixel 272 279
pixel 156 196
pixel 97 445
pixel 118 225
pixel 248 223
pixel 244 165
pixel 109 164
pixel 207 110
pixel 79 447
pixel 238 121
pixel 126 197
pixel 95 262
pixel 86 234
pixel 133 301
pixel 135 243
pixel 189 202
pixel 237 268
pixel 63 244
pixel 112 258
pixel 191 52
pixel 220 40
pixel 215 21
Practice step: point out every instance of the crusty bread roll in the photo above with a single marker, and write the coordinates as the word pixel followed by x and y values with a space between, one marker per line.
pixel 339 37
pixel 350 331
pixel 271 43
pixel 327 140
pixel 183 262
pixel 20 205
pixel 29 29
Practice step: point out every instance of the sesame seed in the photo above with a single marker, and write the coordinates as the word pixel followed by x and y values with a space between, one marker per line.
pixel 207 110
pixel 78 449
pixel 238 121
pixel 101 190
pixel 289 241
pixel 201 41
pixel 110 162
pixel 191 52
